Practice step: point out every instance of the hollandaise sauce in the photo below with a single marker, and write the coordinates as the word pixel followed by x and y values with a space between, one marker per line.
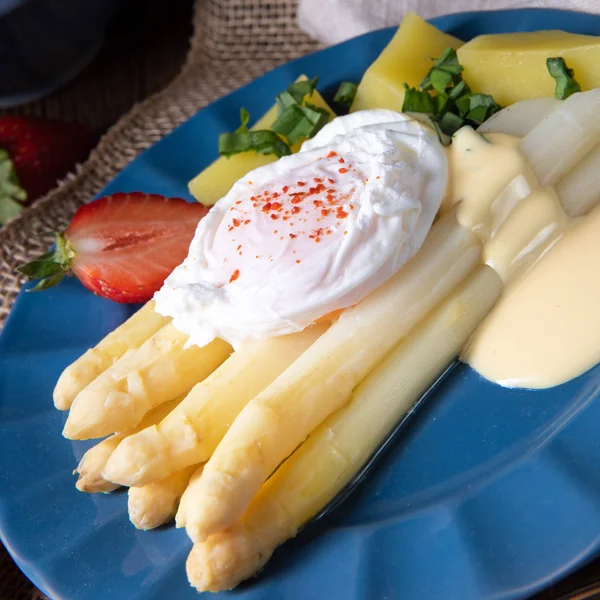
pixel 544 329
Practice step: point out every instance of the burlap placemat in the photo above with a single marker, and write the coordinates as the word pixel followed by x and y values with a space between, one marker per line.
pixel 234 42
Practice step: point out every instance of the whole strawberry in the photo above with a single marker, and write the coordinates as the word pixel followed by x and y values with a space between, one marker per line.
pixel 34 154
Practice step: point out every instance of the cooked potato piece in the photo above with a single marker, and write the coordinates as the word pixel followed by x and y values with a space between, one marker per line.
pixel 512 66
pixel 406 59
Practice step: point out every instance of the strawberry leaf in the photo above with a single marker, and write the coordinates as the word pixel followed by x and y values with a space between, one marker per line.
pixel 44 266
pixel 51 267
pixel 11 193
pixel 48 282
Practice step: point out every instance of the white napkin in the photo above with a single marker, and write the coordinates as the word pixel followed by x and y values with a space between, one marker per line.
pixel 332 21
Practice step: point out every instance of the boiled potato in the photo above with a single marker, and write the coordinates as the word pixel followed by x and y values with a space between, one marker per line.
pixel 217 179
pixel 406 59
pixel 512 66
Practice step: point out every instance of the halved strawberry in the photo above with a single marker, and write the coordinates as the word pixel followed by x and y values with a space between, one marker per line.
pixel 121 247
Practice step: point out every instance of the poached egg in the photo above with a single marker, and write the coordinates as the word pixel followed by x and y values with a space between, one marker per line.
pixel 297 240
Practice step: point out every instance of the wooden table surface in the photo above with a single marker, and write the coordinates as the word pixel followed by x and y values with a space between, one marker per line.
pixel 144 49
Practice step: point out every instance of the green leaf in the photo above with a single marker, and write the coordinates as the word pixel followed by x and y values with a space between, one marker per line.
pixel 300 122
pixel 51 267
pixel 48 282
pixel 450 123
pixel 346 93
pixel 566 85
pixel 446 66
pixel 244 119
pixel 418 101
pixel 481 108
pixel 262 141
pixel 449 61
pixel 41 267
pixel 440 80
pixel 441 101
pixel 11 193
pixel 301 89
pixel 463 105
pixel 446 97
pixel 295 94
pixel 297 119
pixel 460 90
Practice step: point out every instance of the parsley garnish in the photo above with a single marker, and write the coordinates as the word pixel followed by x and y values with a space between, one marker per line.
pixel 346 93
pixel 446 97
pixel 244 140
pixel 297 119
pixel 564 77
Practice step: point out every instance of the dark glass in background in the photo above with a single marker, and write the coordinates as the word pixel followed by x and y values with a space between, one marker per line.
pixel 45 43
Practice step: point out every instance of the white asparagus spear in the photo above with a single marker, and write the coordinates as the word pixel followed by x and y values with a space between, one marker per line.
pixel 519 118
pixel 579 190
pixel 155 504
pixel 158 371
pixel 180 517
pixel 276 421
pixel 564 137
pixel 190 434
pixel 93 461
pixel 307 481
pixel 128 336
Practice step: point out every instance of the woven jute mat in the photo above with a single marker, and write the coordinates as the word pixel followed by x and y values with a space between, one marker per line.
pixel 234 42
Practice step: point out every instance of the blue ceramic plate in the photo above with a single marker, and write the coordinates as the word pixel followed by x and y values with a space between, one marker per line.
pixel 489 493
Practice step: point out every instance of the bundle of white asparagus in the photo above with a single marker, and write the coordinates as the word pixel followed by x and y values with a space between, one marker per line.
pixel 245 447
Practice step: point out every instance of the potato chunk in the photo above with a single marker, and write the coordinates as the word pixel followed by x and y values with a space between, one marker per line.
pixel 406 59
pixel 512 66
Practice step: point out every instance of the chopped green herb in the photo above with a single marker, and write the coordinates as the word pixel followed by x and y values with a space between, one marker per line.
pixel 244 118
pixel 297 119
pixel 566 85
pixel 481 108
pixel 440 80
pixel 445 96
pixel 418 101
pixel 295 93
pixel 346 93
pixel 262 142
pixel 446 64
pixel 450 123
pixel 299 122
pixel 460 90
pixel 463 105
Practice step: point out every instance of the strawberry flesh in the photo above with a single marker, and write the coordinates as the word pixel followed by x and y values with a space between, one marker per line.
pixel 127 244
